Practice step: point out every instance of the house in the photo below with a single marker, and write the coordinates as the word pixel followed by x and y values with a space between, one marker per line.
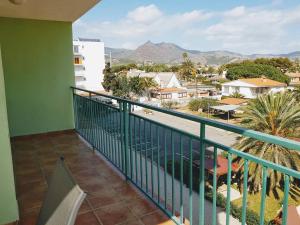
pixel 295 78
pixel 252 87
pixel 89 62
pixel 169 93
pixel 163 79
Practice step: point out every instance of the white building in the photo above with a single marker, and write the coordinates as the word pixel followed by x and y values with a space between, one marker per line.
pixel 252 87
pixel 89 62
pixel 163 79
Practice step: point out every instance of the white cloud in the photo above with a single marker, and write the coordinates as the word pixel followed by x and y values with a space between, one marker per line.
pixel 242 29
pixel 145 14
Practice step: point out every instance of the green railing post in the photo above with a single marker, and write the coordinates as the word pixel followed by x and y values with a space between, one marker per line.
pixel 202 175
pixel 125 136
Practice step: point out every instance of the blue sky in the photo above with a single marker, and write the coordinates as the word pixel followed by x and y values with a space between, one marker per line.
pixel 252 26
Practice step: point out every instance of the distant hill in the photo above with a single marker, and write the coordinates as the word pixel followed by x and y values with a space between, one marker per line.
pixel 170 53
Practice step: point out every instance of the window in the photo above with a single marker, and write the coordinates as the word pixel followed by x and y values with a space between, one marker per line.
pixel 76 60
pixel 236 89
pixel 166 96
pixel 226 89
pixel 182 95
pixel 76 48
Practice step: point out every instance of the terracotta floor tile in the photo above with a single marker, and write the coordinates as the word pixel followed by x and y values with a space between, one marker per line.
pixel 28 220
pixel 103 198
pixel 114 214
pixel 85 207
pixel 87 219
pixel 113 200
pixel 141 206
pixel 157 218
pixel 127 192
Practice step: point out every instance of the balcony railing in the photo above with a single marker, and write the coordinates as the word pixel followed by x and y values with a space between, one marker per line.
pixel 168 164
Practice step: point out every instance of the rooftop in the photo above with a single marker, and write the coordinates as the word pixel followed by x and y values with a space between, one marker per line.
pixel 170 90
pixel 293 75
pixel 263 82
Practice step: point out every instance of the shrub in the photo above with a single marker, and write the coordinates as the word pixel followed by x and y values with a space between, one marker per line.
pixel 169 104
pixel 203 103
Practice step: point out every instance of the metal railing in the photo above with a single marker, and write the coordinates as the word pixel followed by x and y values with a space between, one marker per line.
pixel 159 159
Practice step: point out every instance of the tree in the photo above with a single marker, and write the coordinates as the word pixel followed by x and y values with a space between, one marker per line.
pixel 169 104
pixel 248 69
pixel 109 78
pixel 121 86
pixel 275 114
pixel 136 85
pixel 297 92
pixel 202 103
pixel 148 83
pixel 283 64
pixel 187 71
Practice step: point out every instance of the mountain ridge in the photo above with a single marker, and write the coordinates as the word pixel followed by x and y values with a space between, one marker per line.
pixel 170 53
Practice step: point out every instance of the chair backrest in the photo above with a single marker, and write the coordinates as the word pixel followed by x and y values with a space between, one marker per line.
pixel 63 199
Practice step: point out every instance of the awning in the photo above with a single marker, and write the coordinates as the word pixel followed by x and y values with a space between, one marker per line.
pixel 225 108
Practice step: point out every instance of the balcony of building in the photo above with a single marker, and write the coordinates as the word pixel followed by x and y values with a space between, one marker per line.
pixel 110 199
pixel 135 169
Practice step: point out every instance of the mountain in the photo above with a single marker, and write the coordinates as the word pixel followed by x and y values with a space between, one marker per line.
pixel 170 53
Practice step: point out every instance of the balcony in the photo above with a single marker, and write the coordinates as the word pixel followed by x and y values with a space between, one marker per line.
pixel 177 170
pixel 110 199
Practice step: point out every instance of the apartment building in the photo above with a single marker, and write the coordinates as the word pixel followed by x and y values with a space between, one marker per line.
pixel 89 62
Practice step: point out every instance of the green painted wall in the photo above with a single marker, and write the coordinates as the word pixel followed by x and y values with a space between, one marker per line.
pixel 38 70
pixel 8 202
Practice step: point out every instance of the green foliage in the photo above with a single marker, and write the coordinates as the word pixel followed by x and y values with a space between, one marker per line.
pixel 283 64
pixel 237 95
pixel 109 78
pixel 248 69
pixel 123 86
pixel 202 103
pixel 187 70
pixel 169 104
pixel 252 218
pixel 275 114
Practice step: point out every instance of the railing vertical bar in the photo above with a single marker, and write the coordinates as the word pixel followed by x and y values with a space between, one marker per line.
pixel 191 181
pixel 263 196
pixel 173 172
pixel 245 192
pixel 228 197
pixel 152 156
pixel 285 199
pixel 141 152
pixel 121 138
pixel 214 211
pixel 202 175
pixel 181 180
pixel 146 155
pixel 135 150
pixel 126 128
pixel 165 166
pixel 158 164
pixel 130 142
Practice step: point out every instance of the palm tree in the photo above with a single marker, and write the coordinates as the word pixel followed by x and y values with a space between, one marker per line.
pixel 148 83
pixel 275 114
pixel 188 71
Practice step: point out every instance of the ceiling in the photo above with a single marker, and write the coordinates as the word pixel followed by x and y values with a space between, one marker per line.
pixel 57 10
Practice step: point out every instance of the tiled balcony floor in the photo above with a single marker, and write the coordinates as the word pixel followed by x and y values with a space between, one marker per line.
pixel 110 199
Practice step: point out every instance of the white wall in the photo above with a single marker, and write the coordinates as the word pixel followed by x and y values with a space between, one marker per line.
pixel 174 82
pixel 92 53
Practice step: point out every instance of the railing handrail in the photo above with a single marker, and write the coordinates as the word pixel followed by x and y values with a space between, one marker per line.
pixel 284 142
